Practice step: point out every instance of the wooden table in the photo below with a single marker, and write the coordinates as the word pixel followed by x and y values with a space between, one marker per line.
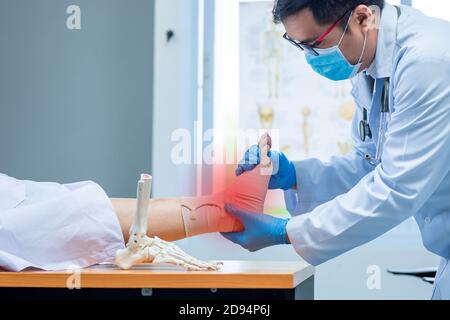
pixel 236 280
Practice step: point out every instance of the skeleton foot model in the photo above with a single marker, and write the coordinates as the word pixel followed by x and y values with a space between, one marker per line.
pixel 143 249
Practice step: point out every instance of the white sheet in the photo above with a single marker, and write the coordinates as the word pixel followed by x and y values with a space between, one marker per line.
pixel 51 226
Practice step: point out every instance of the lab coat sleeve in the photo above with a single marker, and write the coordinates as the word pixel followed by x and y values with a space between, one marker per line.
pixel 414 163
pixel 319 182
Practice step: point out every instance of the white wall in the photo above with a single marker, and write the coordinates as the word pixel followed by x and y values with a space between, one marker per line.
pixel 76 104
pixel 175 92
pixel 434 8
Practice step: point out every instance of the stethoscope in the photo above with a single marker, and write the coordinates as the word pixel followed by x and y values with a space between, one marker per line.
pixel 366 132
pixel 385 114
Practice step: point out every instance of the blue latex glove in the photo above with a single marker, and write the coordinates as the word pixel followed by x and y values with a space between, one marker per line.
pixel 261 230
pixel 284 174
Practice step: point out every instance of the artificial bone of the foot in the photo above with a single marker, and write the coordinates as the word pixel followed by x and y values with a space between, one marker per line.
pixel 143 249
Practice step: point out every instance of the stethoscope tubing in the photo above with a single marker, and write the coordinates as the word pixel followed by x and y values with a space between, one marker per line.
pixel 365 130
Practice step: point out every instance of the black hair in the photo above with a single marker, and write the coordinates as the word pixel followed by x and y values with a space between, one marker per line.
pixel 324 11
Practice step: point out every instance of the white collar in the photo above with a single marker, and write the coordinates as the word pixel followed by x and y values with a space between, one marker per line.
pixel 381 67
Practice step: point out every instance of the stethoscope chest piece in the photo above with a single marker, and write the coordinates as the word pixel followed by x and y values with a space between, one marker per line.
pixel 364 130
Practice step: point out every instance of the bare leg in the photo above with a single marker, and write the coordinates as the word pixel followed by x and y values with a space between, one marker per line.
pixel 165 220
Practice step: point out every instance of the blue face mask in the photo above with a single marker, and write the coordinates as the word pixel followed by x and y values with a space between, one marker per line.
pixel 331 62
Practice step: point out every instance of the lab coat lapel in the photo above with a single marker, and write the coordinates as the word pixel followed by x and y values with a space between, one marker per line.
pixel 387 34
pixel 363 85
pixel 362 91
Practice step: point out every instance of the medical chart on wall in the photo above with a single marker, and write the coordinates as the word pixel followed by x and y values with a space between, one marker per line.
pixel 278 90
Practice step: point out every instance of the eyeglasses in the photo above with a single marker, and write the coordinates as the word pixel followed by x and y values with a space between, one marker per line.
pixel 310 48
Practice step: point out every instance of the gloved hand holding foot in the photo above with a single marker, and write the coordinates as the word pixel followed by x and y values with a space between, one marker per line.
pixel 260 230
pixel 284 174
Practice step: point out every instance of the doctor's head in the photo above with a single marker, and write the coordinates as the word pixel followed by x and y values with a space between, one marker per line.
pixel 338 37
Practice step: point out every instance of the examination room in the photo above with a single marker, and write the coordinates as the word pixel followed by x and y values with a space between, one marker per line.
pixel 243 150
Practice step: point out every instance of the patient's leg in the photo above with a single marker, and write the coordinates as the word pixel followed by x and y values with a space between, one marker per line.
pixel 179 218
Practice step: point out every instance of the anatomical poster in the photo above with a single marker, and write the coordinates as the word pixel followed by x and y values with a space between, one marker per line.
pixel 279 91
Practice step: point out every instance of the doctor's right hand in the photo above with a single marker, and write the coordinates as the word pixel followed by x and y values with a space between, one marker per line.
pixel 284 174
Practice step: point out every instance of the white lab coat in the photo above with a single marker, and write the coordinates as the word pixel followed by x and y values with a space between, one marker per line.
pixel 52 226
pixel 347 202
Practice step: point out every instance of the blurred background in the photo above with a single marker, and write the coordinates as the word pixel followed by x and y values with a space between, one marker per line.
pixel 100 89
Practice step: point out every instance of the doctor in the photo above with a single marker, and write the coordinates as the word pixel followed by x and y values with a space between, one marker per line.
pixel 400 166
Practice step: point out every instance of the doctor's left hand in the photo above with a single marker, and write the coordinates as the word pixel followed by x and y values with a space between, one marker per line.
pixel 260 230
pixel 284 173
